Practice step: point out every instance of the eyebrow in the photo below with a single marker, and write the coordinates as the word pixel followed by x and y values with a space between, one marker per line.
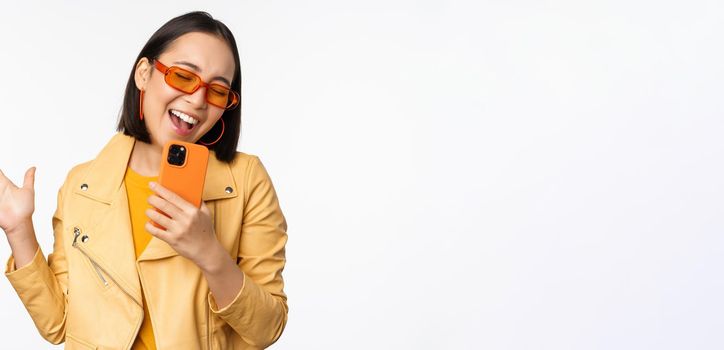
pixel 198 69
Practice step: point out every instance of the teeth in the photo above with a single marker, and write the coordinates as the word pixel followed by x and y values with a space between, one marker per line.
pixel 185 117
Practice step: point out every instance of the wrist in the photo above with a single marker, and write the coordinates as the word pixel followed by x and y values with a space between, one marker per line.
pixel 23 244
pixel 21 232
pixel 213 260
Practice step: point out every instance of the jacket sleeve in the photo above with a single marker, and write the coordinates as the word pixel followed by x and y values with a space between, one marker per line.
pixel 42 284
pixel 259 311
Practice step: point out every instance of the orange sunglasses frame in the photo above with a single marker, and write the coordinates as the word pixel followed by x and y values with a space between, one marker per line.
pixel 165 70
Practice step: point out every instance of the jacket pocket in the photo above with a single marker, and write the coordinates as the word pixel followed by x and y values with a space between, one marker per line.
pixel 73 343
pixel 94 268
pixel 102 281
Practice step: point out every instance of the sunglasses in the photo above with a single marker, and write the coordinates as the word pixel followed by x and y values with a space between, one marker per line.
pixel 188 82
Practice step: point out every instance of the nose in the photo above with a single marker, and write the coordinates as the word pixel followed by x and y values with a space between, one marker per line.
pixel 198 98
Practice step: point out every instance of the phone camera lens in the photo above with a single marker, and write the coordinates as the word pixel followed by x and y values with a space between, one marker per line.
pixel 176 155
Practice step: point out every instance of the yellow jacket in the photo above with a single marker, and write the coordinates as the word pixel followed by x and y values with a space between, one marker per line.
pixel 88 292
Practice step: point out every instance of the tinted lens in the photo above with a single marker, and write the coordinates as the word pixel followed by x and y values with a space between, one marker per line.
pixel 218 95
pixel 182 80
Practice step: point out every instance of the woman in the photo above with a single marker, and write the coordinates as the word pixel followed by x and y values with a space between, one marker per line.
pixel 212 278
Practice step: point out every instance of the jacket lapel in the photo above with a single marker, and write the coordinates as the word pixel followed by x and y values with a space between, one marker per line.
pixel 109 230
pixel 106 172
pixel 219 184
pixel 104 183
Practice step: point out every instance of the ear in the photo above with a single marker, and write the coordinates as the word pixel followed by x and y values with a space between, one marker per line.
pixel 142 74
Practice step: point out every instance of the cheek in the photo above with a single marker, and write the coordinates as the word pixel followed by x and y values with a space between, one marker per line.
pixel 214 118
pixel 158 99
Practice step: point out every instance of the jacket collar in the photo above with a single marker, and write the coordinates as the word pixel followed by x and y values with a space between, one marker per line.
pixel 106 172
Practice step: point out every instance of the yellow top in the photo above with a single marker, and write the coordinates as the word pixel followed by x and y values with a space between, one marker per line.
pixel 138 193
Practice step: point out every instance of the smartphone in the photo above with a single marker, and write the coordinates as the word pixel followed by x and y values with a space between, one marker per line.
pixel 183 171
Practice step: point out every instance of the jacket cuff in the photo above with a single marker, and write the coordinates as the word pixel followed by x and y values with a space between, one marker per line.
pixel 16 275
pixel 234 306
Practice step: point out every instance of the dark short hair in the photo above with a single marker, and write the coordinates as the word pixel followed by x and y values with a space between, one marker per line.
pixel 129 121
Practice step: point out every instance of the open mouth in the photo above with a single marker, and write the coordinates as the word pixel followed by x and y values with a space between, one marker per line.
pixel 183 122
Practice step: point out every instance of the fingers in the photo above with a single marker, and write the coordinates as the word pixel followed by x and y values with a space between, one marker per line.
pixel 29 181
pixel 159 218
pixel 172 197
pixel 5 182
pixel 155 231
pixel 165 206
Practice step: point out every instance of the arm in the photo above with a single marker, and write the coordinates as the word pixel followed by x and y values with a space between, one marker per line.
pixel 256 308
pixel 40 284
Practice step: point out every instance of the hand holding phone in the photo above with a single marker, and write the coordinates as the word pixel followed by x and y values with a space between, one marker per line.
pixel 183 171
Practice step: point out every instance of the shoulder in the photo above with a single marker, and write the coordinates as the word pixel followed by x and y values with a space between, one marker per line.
pixel 243 160
pixel 250 172
pixel 76 173
pixel 245 164
pixel 78 169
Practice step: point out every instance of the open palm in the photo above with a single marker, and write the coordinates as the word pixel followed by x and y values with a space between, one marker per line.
pixel 16 203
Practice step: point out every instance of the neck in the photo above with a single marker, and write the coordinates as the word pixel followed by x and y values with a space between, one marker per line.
pixel 146 159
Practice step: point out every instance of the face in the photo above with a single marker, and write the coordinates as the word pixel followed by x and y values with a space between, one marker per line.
pixel 164 107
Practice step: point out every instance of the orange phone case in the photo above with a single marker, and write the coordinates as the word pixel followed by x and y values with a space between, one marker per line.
pixel 187 179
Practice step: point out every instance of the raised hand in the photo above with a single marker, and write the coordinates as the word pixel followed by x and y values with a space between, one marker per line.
pixel 17 204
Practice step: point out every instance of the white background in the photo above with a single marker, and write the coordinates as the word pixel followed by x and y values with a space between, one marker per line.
pixel 455 174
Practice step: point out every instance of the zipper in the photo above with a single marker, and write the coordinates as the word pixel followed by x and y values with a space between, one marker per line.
pixel 99 268
pixel 98 271
pixel 76 232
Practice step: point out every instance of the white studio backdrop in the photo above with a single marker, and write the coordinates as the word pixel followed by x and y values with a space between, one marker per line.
pixel 455 174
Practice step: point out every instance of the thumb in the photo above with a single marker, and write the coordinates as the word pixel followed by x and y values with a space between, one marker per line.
pixel 29 181
pixel 204 208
